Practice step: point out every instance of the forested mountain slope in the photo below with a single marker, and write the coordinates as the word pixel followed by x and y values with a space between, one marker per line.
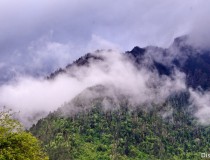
pixel 165 131
pixel 104 124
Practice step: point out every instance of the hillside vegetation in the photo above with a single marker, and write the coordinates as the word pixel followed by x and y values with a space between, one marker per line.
pixel 125 133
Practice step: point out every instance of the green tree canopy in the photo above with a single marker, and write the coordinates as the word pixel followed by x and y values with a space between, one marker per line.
pixel 15 143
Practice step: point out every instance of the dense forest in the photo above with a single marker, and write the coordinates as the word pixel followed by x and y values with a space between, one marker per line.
pixel 15 142
pixel 166 131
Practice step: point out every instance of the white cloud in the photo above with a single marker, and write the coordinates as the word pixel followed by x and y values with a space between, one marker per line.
pixel 200 31
pixel 32 96
pixel 39 36
pixel 97 42
pixel 201 100
pixel 92 24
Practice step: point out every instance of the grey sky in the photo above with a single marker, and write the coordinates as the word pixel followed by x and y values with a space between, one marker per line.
pixel 36 37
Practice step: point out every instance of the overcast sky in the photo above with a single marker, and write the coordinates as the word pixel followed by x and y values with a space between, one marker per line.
pixel 38 36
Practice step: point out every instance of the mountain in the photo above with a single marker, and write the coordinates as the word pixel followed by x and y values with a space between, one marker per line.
pixel 194 62
pixel 102 123
pixel 83 61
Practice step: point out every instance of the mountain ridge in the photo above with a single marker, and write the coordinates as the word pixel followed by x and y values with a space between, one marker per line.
pixel 194 62
pixel 99 124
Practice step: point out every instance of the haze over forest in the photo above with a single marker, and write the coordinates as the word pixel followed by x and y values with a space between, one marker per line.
pixel 122 63
pixel 45 36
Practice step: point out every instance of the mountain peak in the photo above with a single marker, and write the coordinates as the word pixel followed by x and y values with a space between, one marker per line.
pixel 137 51
pixel 181 41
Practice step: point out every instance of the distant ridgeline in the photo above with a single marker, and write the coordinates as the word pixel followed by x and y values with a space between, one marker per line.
pixel 107 127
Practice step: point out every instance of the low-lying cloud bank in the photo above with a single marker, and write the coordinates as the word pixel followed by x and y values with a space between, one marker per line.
pixel 201 100
pixel 35 98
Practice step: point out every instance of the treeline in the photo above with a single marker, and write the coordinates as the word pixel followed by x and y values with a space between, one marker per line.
pixel 160 132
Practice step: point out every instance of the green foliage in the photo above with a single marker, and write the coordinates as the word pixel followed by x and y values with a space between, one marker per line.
pixel 15 143
pixel 124 134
